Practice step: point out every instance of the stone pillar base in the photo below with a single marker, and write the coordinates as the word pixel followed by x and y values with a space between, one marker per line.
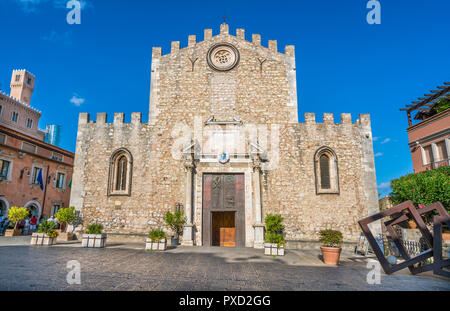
pixel 259 236
pixel 187 235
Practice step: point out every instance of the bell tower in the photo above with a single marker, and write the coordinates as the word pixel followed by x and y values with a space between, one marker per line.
pixel 22 85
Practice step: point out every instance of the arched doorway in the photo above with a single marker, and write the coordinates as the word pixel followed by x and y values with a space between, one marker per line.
pixel 34 208
pixel 4 207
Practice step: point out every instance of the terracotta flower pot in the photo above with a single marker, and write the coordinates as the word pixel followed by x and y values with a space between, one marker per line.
pixel 446 236
pixel 331 255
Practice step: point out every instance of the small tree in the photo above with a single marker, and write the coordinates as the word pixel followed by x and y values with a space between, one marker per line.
pixel 17 214
pixel 66 216
pixel 274 229
pixel 175 221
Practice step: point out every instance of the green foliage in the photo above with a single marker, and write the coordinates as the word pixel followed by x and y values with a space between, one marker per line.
pixel 94 229
pixel 443 104
pixel 66 215
pixel 274 223
pixel 423 188
pixel 156 235
pixel 175 221
pixel 330 238
pixel 17 214
pixel 274 229
pixel 48 227
pixel 275 238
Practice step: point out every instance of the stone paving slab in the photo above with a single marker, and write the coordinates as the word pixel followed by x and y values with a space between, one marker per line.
pixel 130 267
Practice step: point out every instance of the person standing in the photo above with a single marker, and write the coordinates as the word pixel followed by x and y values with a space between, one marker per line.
pixel 33 223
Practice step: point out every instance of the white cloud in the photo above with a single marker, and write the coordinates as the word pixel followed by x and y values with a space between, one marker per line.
pixel 378 154
pixel 384 186
pixel 386 140
pixel 31 6
pixel 54 36
pixel 77 100
pixel 375 138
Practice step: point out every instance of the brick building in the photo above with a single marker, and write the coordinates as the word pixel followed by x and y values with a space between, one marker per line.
pixel 223 143
pixel 429 137
pixel 24 155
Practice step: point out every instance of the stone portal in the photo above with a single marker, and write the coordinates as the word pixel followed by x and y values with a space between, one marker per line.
pixel 223 210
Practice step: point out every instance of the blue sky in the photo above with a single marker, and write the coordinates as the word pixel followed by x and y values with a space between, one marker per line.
pixel 343 63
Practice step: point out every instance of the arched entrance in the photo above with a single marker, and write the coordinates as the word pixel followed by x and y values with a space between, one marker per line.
pixel 34 208
pixel 4 207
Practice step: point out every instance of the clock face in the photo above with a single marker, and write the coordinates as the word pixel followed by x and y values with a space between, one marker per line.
pixel 223 57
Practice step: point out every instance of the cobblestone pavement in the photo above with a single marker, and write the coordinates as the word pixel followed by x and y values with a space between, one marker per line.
pixel 130 267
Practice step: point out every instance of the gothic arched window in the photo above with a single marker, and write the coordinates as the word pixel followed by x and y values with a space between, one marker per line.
pixel 326 171
pixel 120 172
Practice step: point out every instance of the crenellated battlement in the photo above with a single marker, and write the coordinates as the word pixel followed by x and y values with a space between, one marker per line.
pixel 224 30
pixel 346 118
pixel 119 118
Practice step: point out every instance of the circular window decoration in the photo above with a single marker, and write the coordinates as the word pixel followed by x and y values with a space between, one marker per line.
pixel 223 57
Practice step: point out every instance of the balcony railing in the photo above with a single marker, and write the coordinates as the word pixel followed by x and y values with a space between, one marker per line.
pixel 435 165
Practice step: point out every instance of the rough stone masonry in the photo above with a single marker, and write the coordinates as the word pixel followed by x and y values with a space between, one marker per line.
pixel 238 99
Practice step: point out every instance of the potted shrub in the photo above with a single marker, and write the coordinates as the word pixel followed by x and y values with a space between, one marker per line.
pixel 15 215
pixel 175 222
pixel 274 239
pixel 66 216
pixel 331 246
pixel 93 236
pixel 156 240
pixel 45 235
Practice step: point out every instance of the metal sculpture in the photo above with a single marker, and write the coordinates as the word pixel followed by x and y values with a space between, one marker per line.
pixel 434 242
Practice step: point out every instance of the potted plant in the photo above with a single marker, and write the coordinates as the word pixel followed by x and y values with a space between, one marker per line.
pixel 156 240
pixel 176 222
pixel 15 215
pixel 93 236
pixel 274 239
pixel 46 234
pixel 331 246
pixel 66 216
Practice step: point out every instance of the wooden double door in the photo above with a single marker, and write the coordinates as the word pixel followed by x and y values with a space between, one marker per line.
pixel 223 210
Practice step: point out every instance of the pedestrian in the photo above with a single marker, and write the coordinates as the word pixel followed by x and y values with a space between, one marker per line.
pixel 33 223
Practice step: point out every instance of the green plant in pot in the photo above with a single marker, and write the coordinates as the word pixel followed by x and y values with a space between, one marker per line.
pixel 66 216
pixel 48 227
pixel 331 245
pixel 274 239
pixel 175 221
pixel 94 229
pixel 156 235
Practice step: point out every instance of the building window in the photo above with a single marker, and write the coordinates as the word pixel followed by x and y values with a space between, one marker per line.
pixel 4 169
pixel 326 171
pixel 34 176
pixel 1 109
pixel 60 180
pixel 2 139
pixel 30 123
pixel 55 209
pixel 57 157
pixel 29 80
pixel 28 147
pixel 17 78
pixel 14 116
pixel 120 171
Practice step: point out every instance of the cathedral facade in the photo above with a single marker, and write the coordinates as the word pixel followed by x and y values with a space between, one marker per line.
pixel 223 143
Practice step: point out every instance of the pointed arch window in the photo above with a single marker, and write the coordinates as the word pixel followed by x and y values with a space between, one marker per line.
pixel 326 171
pixel 120 172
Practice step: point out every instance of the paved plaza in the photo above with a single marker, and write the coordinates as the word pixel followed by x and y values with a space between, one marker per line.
pixel 130 267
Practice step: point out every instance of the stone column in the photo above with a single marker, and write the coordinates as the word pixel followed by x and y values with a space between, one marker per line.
pixel 258 225
pixel 187 230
